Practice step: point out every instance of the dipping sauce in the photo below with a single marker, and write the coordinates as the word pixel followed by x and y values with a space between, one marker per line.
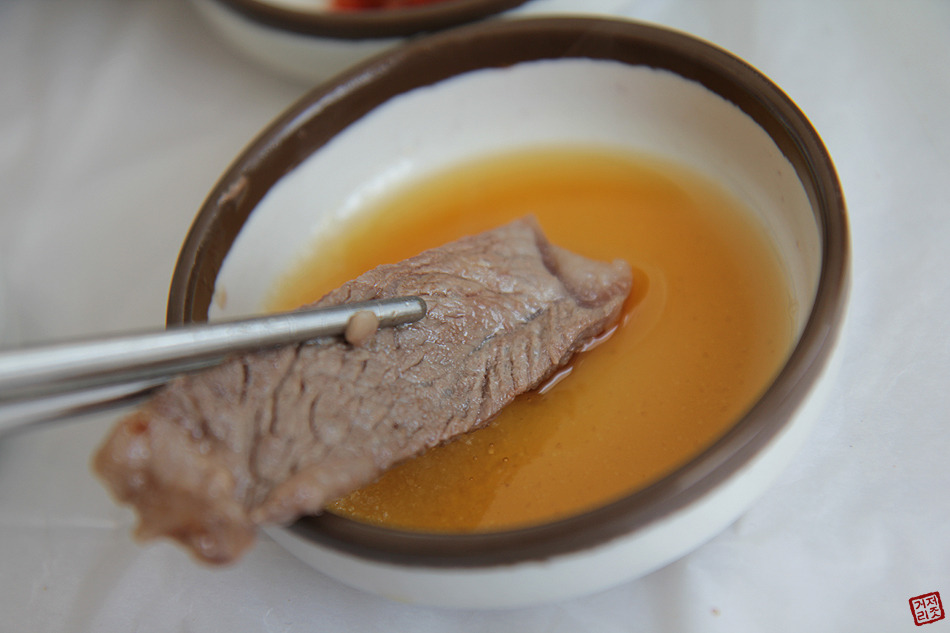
pixel 707 326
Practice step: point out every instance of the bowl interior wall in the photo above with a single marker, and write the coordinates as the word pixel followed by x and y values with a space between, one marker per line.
pixel 547 103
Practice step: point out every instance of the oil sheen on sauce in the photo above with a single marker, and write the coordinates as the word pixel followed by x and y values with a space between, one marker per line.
pixel 706 327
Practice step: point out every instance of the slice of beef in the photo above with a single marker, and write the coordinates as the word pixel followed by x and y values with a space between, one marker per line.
pixel 271 436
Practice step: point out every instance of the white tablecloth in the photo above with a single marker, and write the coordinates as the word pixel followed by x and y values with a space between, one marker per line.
pixel 116 118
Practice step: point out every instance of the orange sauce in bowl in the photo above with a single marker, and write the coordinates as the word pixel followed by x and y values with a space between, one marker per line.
pixel 705 329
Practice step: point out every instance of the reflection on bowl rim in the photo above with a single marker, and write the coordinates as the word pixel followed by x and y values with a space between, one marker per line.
pixel 330 108
pixel 370 24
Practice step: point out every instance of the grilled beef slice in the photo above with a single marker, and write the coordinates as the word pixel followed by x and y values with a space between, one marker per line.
pixel 270 436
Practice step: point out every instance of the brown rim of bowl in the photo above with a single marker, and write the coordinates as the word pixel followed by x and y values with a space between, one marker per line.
pixel 370 24
pixel 328 109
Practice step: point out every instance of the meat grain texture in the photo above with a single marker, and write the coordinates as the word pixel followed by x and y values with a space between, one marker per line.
pixel 268 437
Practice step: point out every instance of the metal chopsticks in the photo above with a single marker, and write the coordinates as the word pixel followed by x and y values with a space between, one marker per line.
pixel 42 383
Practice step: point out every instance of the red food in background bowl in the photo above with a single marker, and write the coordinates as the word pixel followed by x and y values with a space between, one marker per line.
pixel 358 5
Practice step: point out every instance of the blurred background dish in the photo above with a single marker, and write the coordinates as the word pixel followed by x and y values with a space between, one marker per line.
pixel 310 41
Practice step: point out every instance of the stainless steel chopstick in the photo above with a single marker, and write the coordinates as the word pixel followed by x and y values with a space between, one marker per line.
pixel 77 375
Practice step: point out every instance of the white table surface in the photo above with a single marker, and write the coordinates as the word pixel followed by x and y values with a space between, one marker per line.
pixel 116 118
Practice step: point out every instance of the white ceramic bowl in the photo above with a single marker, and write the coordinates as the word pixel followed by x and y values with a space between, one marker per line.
pixel 436 102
